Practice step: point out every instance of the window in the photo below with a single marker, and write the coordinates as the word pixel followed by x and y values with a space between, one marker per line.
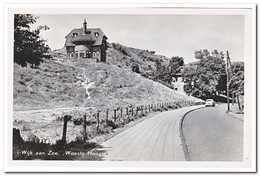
pixel 96 34
pixel 88 54
pixel 98 54
pixel 75 34
pixel 81 55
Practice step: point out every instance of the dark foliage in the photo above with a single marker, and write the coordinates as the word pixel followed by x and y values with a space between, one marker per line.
pixel 33 148
pixel 207 77
pixel 165 73
pixel 112 124
pixel 135 68
pixel 236 83
pixel 29 47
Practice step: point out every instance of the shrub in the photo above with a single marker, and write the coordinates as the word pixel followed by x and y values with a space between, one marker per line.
pixel 33 138
pixel 78 121
pixel 135 68
pixel 112 124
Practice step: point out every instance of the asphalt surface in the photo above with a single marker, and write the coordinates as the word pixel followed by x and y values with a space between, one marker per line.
pixel 154 139
pixel 212 135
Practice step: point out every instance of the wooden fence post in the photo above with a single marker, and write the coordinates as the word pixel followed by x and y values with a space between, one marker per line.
pixel 85 127
pixel 149 108
pixel 107 116
pixel 114 115
pixel 66 119
pixel 121 113
pixel 132 111
pixel 127 111
pixel 136 111
pixel 98 120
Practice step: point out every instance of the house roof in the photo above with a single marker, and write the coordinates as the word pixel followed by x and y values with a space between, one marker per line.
pixel 90 37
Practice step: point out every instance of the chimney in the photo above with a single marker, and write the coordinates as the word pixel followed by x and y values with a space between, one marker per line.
pixel 84 27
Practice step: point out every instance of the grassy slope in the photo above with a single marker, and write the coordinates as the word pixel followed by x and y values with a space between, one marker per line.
pixel 124 57
pixel 52 85
pixel 58 84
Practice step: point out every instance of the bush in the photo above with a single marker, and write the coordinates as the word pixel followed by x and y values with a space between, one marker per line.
pixel 112 124
pixel 78 121
pixel 135 68
pixel 33 138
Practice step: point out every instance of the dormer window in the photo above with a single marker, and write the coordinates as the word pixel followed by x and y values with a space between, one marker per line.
pixel 75 34
pixel 96 34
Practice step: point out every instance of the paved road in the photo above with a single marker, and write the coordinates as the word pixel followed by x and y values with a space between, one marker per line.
pixel 212 135
pixel 154 139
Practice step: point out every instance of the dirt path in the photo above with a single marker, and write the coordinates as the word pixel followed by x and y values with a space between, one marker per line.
pixel 45 112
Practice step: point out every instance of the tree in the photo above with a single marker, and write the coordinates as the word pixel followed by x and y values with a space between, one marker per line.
pixel 190 75
pixel 207 79
pixel 165 72
pixel 177 60
pixel 29 47
pixel 236 83
pixel 162 73
pixel 175 64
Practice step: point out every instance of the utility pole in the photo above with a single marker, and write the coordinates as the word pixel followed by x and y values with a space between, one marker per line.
pixel 227 70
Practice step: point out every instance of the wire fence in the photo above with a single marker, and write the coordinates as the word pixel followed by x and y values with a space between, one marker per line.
pixel 117 117
pixel 112 117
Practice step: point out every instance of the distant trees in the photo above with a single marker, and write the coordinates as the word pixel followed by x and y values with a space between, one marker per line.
pixel 206 78
pixel 29 47
pixel 176 60
pixel 190 75
pixel 236 83
pixel 164 73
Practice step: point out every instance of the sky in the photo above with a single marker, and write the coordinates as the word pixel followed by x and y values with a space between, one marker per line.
pixel 169 35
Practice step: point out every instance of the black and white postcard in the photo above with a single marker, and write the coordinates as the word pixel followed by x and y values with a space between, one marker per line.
pixel 95 88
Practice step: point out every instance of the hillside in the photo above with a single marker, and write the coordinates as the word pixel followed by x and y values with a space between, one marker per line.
pixel 81 83
pixel 61 86
pixel 125 57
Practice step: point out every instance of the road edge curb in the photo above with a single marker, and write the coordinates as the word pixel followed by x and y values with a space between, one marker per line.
pixel 184 144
